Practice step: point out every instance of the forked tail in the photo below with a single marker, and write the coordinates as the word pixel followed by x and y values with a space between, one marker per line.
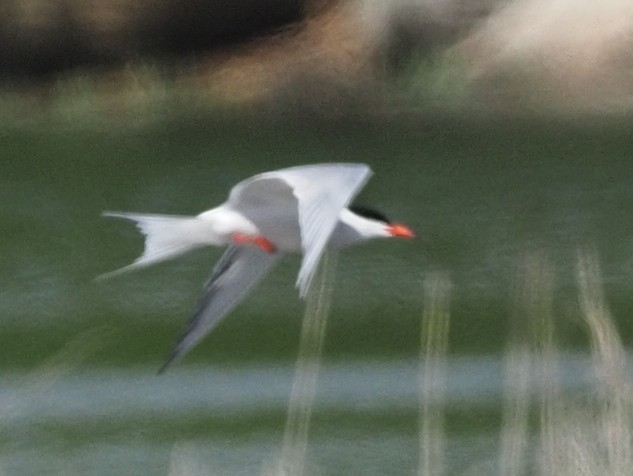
pixel 166 236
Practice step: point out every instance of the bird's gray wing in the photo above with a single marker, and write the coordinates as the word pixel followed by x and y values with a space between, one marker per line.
pixel 239 269
pixel 320 193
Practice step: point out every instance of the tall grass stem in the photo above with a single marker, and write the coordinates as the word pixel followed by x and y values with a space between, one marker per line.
pixel 292 459
pixel 432 373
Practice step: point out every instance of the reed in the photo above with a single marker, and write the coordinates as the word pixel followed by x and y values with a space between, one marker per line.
pixel 595 436
pixel 588 435
pixel 293 454
pixel 432 373
pixel 571 435
pixel 35 384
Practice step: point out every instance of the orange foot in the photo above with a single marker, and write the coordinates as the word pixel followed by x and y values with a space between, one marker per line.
pixel 263 243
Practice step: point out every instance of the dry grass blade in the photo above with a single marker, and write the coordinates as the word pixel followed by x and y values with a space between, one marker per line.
pixel 531 354
pixel 434 344
pixel 614 453
pixel 295 441
pixel 183 462
pixel 38 381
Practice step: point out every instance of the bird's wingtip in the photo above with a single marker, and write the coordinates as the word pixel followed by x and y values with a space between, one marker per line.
pixel 171 358
pixel 163 368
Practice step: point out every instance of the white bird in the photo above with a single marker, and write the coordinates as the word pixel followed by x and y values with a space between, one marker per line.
pixel 294 210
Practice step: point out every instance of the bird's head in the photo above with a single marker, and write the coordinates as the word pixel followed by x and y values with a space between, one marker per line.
pixel 376 224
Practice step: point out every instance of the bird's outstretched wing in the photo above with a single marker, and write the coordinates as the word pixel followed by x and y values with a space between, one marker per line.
pixel 312 195
pixel 239 269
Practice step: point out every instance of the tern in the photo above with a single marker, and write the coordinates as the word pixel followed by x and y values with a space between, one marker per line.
pixel 303 209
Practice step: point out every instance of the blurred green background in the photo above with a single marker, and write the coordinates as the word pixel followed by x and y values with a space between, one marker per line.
pixel 490 154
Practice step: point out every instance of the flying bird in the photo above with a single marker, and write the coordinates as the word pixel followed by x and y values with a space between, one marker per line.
pixel 301 209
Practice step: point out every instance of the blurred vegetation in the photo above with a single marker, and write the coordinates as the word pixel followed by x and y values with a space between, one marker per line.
pixel 124 62
pixel 40 38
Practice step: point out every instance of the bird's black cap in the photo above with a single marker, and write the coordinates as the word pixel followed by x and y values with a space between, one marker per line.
pixel 370 213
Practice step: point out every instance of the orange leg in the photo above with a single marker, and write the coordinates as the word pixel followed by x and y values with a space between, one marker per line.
pixel 263 243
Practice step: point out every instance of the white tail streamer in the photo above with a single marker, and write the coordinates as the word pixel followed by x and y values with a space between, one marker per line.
pixel 166 236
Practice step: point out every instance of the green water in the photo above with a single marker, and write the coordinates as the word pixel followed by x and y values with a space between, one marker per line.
pixel 79 394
